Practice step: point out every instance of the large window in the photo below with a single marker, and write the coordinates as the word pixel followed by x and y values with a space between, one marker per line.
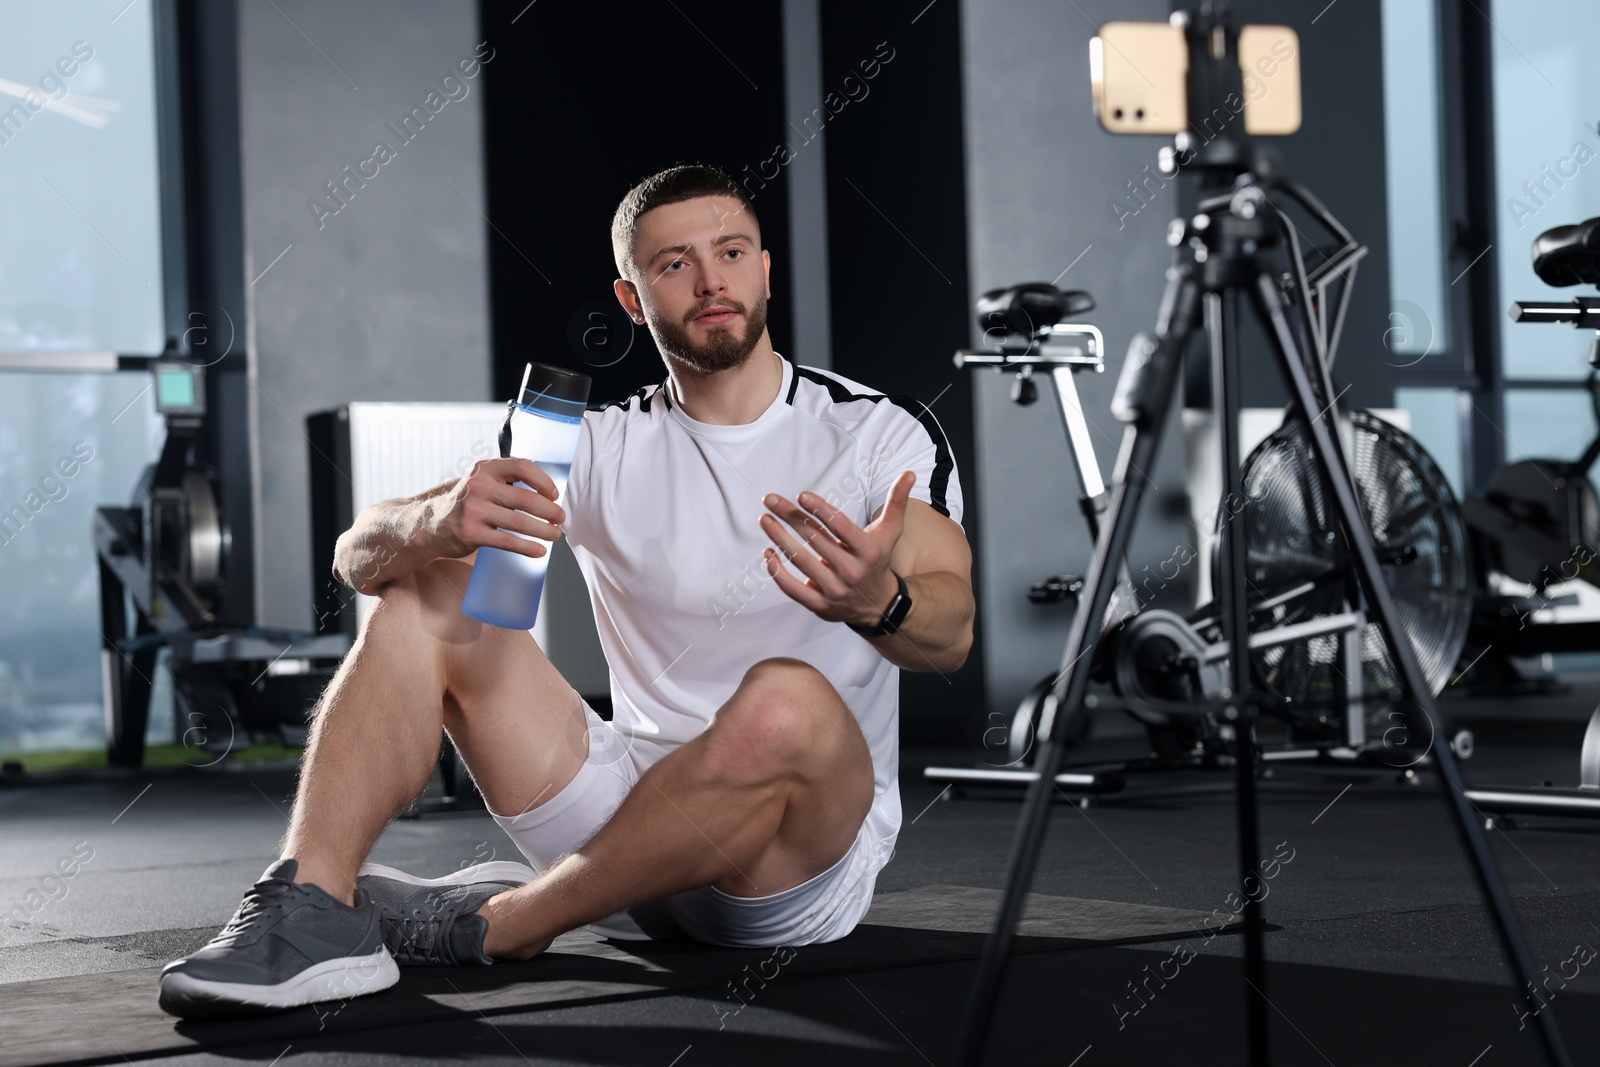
pixel 68 442
pixel 1419 315
pixel 82 263
pixel 1531 147
pixel 1429 354
pixel 1492 138
pixel 79 181
pixel 1546 105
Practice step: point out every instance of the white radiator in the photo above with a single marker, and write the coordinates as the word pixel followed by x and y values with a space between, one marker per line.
pixel 381 451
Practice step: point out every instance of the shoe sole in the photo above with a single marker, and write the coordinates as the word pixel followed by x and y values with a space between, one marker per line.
pixel 340 979
pixel 495 871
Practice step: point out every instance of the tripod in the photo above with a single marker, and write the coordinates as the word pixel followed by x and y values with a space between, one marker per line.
pixel 1221 254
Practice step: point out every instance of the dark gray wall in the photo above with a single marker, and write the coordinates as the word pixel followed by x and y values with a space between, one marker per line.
pixel 1043 185
pixel 387 298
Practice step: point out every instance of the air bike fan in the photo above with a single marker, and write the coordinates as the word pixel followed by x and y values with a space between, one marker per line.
pixel 1298 558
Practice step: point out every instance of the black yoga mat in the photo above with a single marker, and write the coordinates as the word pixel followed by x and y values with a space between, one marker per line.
pixel 106 1017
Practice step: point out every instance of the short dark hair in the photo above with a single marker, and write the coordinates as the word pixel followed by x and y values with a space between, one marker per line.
pixel 671 186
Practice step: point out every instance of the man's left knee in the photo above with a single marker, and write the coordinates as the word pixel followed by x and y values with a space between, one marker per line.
pixel 782 712
pixel 785 678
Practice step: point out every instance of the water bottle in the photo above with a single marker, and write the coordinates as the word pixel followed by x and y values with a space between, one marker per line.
pixel 543 424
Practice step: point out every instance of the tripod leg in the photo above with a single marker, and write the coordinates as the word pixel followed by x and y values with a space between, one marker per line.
pixel 1233 601
pixel 1143 396
pixel 1270 302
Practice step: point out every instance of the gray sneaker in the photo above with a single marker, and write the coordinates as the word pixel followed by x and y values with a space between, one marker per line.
pixel 431 921
pixel 287 945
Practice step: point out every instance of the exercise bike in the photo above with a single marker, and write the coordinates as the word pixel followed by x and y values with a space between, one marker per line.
pixel 1160 663
pixel 1538 524
pixel 1162 666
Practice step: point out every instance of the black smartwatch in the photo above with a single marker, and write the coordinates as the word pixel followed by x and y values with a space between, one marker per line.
pixel 893 615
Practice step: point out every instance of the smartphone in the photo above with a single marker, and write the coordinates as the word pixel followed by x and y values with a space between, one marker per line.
pixel 1139 75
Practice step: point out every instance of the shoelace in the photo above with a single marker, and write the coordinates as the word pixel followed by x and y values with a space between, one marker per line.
pixel 262 900
pixel 420 936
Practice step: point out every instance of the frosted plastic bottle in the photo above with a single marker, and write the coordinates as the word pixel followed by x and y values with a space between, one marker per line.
pixel 544 422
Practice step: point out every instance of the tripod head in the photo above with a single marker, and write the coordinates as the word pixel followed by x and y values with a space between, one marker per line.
pixel 1207 82
pixel 1215 100
pixel 1217 88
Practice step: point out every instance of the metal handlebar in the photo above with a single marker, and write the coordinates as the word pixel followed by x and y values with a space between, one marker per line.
pixel 1582 312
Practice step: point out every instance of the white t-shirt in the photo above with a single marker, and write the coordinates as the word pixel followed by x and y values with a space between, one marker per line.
pixel 662 515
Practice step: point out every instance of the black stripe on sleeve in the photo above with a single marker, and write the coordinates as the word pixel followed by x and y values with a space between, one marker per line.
pixel 943 461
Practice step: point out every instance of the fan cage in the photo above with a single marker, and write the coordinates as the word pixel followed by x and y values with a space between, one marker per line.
pixel 1292 536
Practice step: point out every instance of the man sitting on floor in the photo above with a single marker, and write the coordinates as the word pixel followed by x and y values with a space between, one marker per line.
pixel 745 792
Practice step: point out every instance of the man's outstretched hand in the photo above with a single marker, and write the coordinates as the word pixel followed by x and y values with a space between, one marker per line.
pixel 847 568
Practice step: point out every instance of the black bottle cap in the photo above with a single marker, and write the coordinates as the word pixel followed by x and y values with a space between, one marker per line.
pixel 542 383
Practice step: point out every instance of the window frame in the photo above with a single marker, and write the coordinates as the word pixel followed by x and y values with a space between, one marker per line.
pixel 1473 363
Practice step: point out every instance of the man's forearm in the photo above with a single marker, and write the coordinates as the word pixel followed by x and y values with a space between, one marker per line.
pixel 386 542
pixel 937 633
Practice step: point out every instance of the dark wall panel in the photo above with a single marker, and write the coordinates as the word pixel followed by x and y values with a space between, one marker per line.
pixel 583 101
pixel 891 115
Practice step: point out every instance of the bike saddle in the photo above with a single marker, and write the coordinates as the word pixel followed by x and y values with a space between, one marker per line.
pixel 1569 255
pixel 1027 308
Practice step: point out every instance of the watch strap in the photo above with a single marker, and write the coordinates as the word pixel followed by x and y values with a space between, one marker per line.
pixel 893 615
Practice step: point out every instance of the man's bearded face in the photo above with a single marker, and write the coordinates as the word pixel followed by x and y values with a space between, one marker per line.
pixel 712 348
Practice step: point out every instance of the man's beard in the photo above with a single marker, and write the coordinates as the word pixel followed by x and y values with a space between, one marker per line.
pixel 722 349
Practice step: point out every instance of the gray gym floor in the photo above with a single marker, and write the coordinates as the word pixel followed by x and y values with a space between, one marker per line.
pixel 1381 951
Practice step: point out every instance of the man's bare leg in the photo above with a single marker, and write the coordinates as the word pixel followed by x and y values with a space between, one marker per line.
pixel 770 795
pixel 420 665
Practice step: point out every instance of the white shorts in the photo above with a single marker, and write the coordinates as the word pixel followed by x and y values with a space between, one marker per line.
pixel 823 908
